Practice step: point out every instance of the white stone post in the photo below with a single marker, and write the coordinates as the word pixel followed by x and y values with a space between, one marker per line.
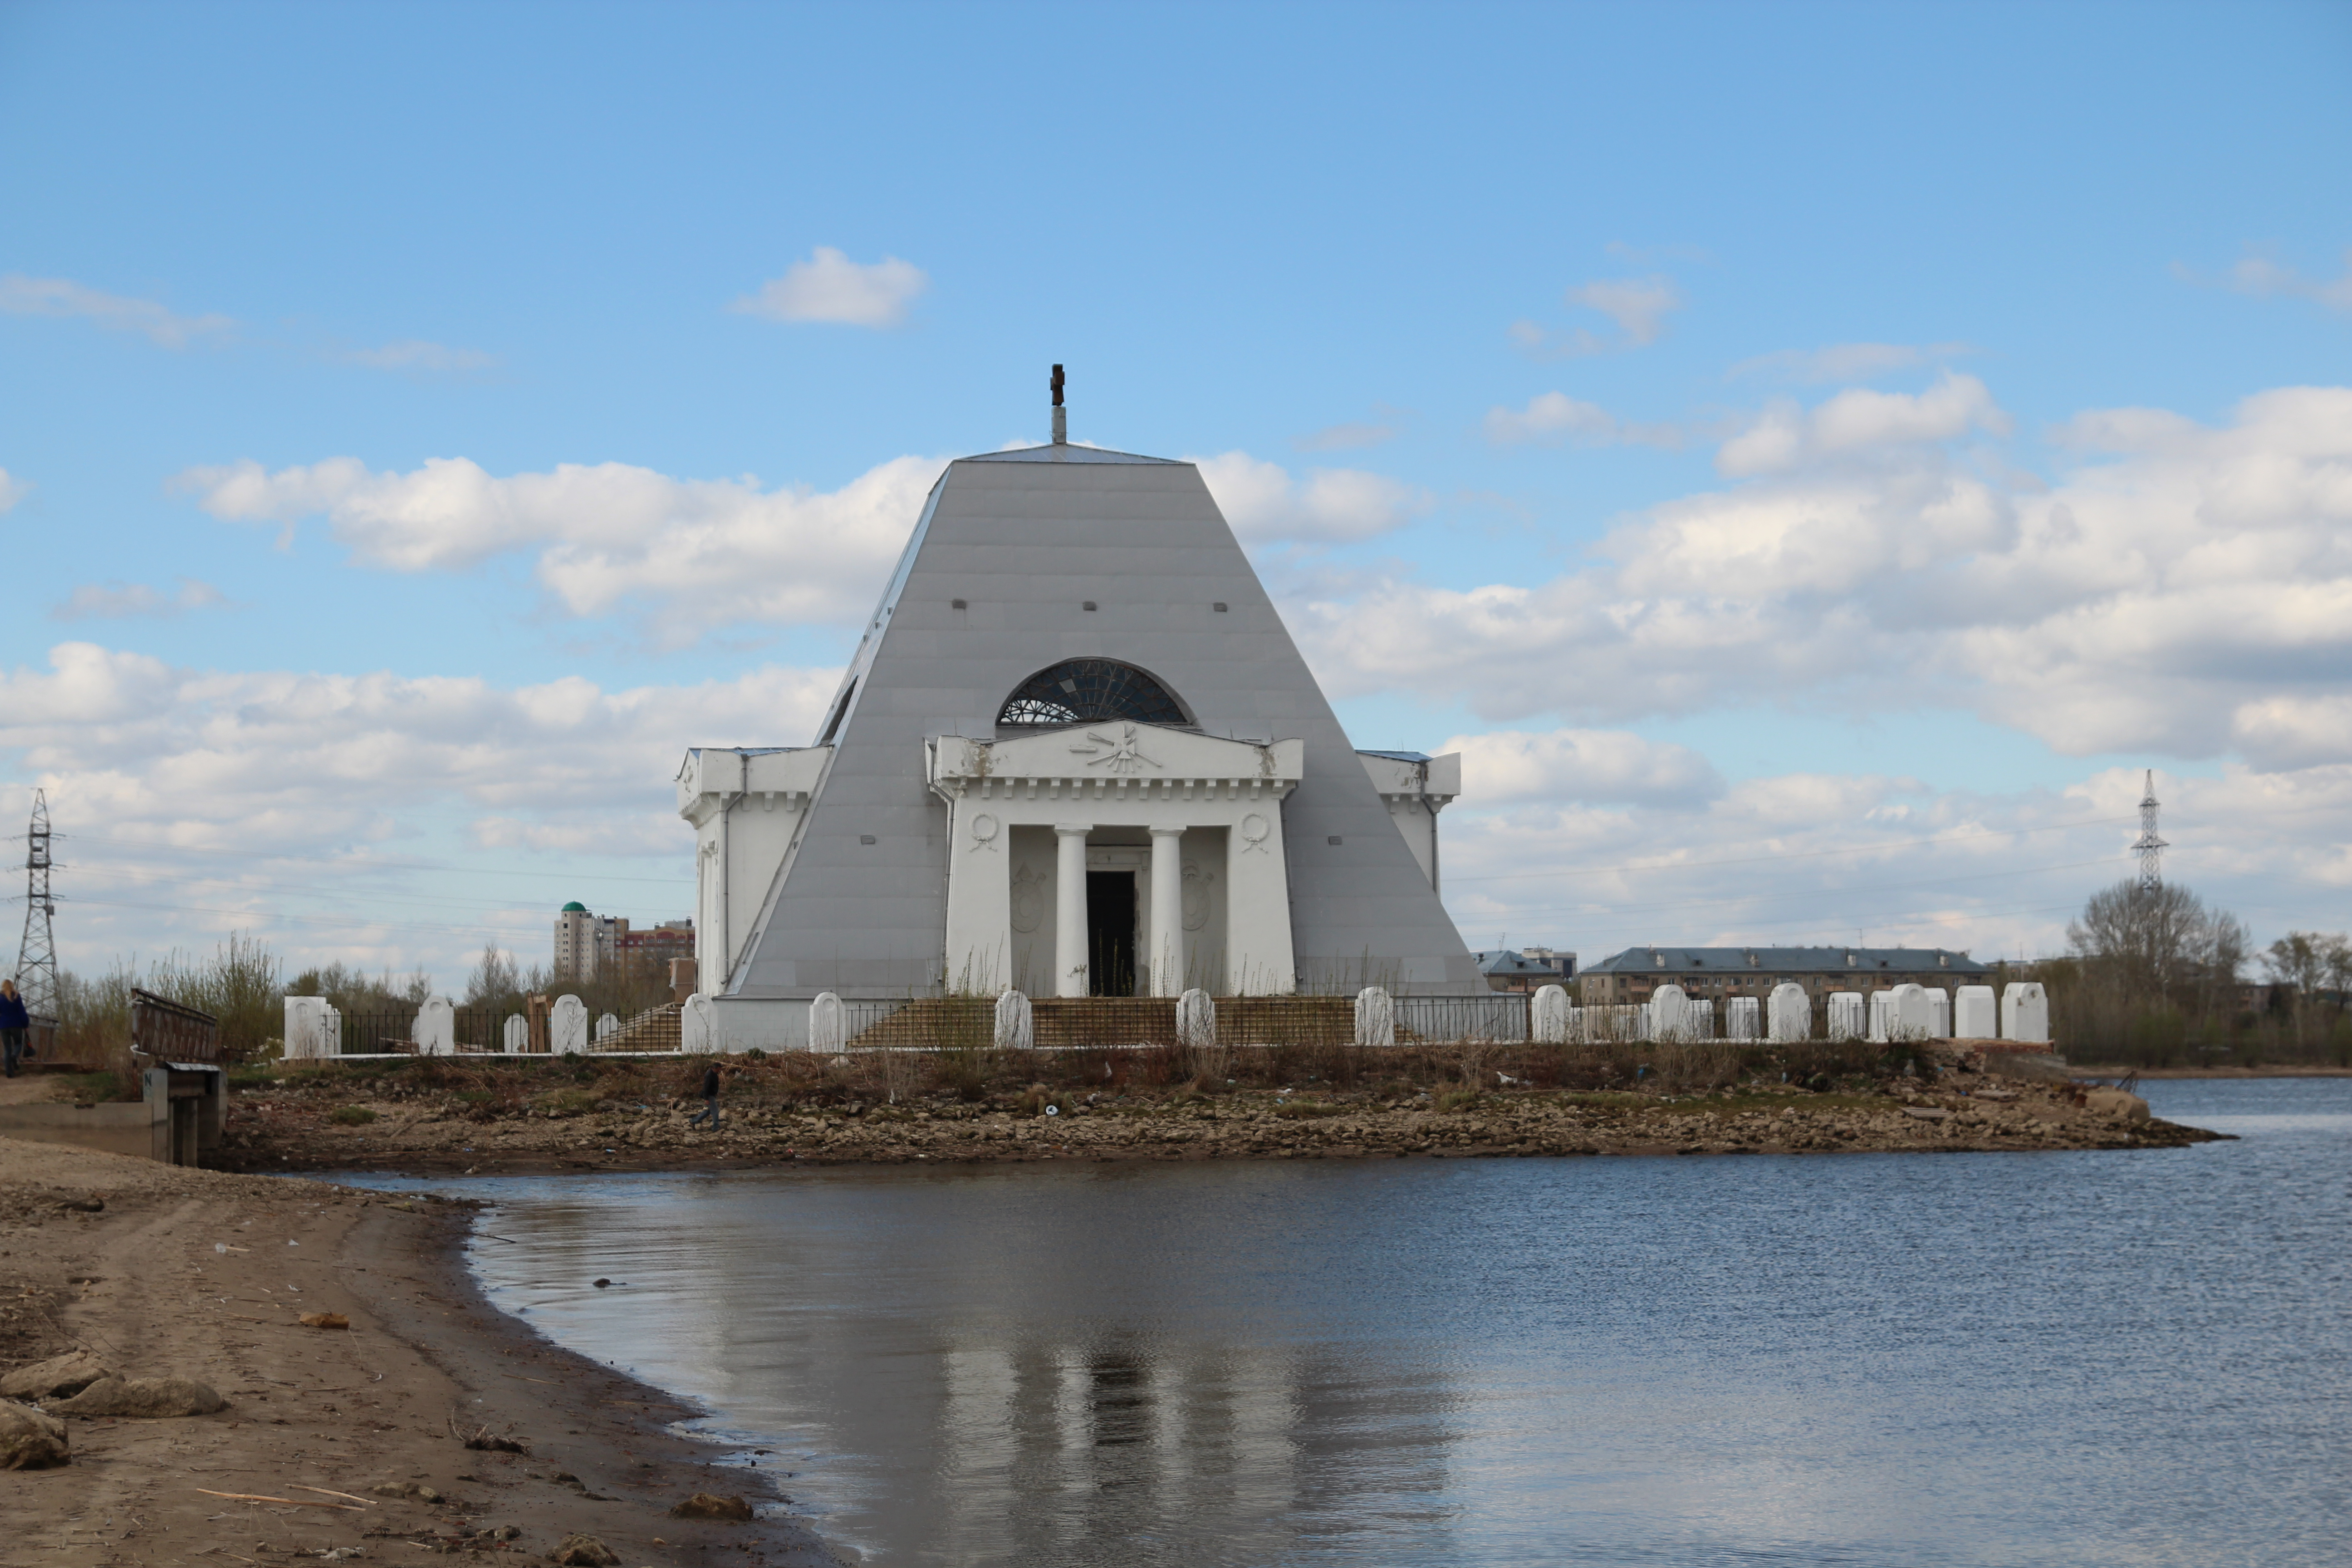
pixel 1790 1017
pixel 1549 1015
pixel 1939 1013
pixel 1167 910
pixel 1847 1020
pixel 1196 1020
pixel 306 1026
pixel 1669 1014
pixel 567 1026
pixel 2024 1012
pixel 1375 1017
pixel 1882 1016
pixel 1975 1013
pixel 1016 1025
pixel 1070 907
pixel 826 1029
pixel 697 1031
pixel 1908 1014
pixel 517 1034
pixel 435 1031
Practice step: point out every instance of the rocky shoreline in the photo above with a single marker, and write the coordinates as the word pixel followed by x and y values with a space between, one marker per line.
pixel 317 1124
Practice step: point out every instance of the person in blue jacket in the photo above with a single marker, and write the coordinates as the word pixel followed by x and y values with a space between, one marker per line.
pixel 14 1022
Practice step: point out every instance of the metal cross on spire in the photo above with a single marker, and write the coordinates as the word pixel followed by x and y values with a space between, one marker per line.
pixel 2148 846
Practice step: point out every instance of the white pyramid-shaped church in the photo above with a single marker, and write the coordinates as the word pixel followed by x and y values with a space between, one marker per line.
pixel 1076 753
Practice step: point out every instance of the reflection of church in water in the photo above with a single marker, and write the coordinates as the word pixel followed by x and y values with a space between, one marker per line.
pixel 1076 753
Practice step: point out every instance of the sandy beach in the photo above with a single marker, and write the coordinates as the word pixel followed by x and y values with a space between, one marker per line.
pixel 162 1271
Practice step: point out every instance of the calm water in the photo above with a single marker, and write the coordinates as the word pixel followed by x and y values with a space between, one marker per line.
pixel 2061 1359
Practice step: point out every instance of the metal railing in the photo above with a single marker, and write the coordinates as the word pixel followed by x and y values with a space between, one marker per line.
pixel 1499 1015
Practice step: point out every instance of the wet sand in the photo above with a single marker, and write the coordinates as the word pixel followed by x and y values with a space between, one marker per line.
pixel 144 1284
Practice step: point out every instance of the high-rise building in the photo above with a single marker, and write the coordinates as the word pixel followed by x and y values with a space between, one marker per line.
pixel 588 944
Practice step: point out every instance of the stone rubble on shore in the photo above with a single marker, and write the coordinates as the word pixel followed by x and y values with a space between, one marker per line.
pixel 1182 1123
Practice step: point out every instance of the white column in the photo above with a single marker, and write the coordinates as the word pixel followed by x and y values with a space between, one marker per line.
pixel 1070 908
pixel 1167 910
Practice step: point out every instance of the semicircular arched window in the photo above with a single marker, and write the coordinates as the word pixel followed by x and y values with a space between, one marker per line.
pixel 1089 691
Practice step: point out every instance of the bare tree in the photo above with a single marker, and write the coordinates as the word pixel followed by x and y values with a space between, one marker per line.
pixel 2305 963
pixel 494 980
pixel 2160 941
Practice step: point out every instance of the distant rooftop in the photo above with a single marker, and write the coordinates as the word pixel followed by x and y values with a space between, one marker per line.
pixel 1892 960
pixel 1071 453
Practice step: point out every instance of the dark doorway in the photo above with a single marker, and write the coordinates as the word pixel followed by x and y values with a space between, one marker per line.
pixel 1110 934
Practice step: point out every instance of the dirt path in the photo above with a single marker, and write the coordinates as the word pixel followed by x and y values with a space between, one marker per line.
pixel 204 1275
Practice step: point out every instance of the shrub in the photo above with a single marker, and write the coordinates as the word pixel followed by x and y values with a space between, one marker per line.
pixel 352 1116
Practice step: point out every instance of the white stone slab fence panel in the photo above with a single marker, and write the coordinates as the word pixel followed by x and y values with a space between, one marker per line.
pixel 436 1030
pixel 1196 1020
pixel 1939 1010
pixel 1848 1018
pixel 1015 1022
pixel 1790 1013
pixel 825 1034
pixel 1975 1012
pixel 1909 1015
pixel 1375 1018
pixel 1551 1010
pixel 606 1027
pixel 2025 1012
pixel 1670 1015
pixel 1743 1018
pixel 1882 1016
pixel 567 1026
pixel 697 1027
pixel 307 1034
pixel 517 1034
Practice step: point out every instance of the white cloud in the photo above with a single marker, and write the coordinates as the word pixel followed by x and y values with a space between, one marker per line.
pixel 1637 306
pixel 685 556
pixel 1829 858
pixel 23 296
pixel 1331 506
pixel 829 287
pixel 2184 590
pixel 12 490
pixel 416 356
pixel 1505 767
pixel 115 601
pixel 1785 435
pixel 303 796
pixel 2267 280
pixel 1844 362
pixel 1352 437
pixel 1554 418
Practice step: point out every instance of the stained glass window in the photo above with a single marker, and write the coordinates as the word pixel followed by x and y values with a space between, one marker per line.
pixel 1089 690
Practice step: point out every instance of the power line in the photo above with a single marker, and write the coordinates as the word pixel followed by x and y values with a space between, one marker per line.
pixel 345 864
pixel 1791 896
pixel 1790 854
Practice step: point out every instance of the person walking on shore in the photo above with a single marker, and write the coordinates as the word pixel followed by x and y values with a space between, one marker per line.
pixel 14 1022
pixel 709 1101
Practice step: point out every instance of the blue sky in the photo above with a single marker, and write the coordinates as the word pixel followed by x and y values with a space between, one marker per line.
pixel 1705 415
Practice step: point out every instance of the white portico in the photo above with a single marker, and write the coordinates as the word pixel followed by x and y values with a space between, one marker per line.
pixel 1117 858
